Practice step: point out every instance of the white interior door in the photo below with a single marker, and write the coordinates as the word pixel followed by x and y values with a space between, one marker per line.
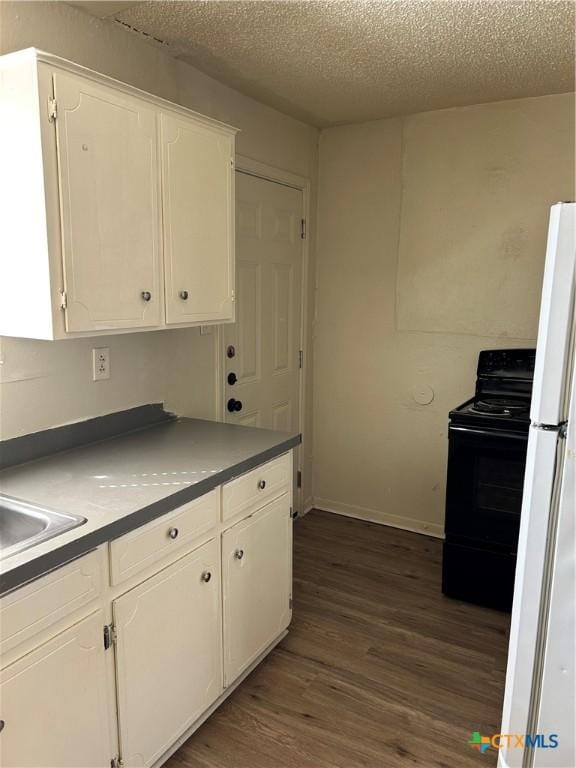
pixel 257 579
pixel 168 654
pixel 262 379
pixel 198 206
pixel 109 182
pixel 54 703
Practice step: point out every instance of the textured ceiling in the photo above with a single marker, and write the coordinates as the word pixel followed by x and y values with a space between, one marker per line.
pixel 342 61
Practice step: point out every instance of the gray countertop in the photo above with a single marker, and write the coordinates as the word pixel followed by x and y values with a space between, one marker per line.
pixel 126 481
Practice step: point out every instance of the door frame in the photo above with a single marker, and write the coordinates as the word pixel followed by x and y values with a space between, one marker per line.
pixel 270 173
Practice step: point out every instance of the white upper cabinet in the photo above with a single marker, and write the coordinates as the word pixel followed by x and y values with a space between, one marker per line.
pixel 198 209
pixel 116 207
pixel 108 177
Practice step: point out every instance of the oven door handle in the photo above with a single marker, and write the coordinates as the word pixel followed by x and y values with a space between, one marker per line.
pixel 472 431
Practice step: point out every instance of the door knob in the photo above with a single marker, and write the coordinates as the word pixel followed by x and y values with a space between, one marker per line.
pixel 146 295
pixel 183 295
pixel 234 405
pixel 232 378
pixel 239 554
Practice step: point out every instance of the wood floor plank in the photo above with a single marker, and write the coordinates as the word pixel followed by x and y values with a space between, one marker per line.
pixel 379 670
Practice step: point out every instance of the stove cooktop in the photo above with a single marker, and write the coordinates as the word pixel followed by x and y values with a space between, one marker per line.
pixel 493 411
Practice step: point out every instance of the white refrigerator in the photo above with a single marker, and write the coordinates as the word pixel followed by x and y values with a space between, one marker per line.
pixel 540 679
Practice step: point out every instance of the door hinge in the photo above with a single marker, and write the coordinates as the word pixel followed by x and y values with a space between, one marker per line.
pixel 303 229
pixel 116 762
pixel 300 358
pixel 293 513
pixel 63 300
pixel 299 479
pixel 109 636
pixel 52 109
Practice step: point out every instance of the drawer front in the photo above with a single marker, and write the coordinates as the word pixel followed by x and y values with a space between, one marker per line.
pixel 149 544
pixel 255 489
pixel 43 602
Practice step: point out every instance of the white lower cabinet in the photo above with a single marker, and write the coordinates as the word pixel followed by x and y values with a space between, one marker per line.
pixel 54 704
pixel 168 654
pixel 79 692
pixel 257 576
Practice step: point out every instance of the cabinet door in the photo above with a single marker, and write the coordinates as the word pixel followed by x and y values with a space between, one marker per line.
pixel 257 584
pixel 168 654
pixel 54 705
pixel 109 184
pixel 198 215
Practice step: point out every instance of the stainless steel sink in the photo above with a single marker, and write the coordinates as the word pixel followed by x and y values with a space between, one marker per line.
pixel 23 525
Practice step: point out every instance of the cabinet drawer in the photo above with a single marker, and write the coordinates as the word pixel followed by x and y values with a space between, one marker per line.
pixel 253 490
pixel 137 550
pixel 43 602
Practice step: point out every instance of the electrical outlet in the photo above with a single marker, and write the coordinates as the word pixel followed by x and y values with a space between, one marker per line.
pixel 100 363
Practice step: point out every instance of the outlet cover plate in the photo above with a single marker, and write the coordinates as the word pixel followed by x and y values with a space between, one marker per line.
pixel 100 363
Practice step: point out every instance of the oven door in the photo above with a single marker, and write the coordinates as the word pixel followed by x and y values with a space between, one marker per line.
pixel 484 490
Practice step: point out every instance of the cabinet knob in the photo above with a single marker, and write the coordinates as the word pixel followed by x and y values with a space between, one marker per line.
pixel 262 485
pixel 206 576
pixel 173 533
pixel 183 295
pixel 239 554
pixel 2 724
pixel 146 295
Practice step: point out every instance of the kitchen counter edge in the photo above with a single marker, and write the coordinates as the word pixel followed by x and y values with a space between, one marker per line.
pixel 32 569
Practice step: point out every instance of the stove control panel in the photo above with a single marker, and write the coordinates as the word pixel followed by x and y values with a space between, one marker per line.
pixel 507 363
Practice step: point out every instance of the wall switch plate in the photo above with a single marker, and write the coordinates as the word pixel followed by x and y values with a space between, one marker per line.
pixel 100 363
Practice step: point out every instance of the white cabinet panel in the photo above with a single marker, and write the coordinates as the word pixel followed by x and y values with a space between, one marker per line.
pixel 253 490
pixel 36 606
pixel 147 545
pixel 169 665
pixel 107 154
pixel 256 573
pixel 198 215
pixel 54 703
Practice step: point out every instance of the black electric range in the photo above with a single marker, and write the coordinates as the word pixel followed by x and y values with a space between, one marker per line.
pixel 487 443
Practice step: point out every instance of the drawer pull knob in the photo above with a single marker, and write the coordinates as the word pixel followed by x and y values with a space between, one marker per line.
pixel 173 533
pixel 262 485
pixel 2 724
pixel 206 576
pixel 183 295
pixel 239 554
pixel 146 295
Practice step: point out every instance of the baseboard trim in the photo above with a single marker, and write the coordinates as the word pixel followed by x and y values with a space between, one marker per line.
pixel 381 518
pixel 307 506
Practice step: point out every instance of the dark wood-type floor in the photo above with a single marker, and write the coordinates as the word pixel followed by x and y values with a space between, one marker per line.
pixel 379 669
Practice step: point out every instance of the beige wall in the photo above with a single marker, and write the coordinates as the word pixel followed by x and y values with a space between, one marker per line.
pixel 43 384
pixel 431 238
